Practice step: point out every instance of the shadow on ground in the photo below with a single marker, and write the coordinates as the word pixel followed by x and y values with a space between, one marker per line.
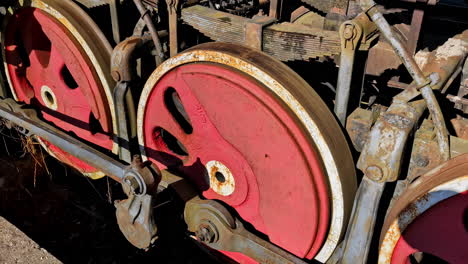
pixel 71 216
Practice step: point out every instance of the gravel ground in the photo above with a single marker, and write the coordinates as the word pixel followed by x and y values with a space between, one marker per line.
pixel 17 247
pixel 72 217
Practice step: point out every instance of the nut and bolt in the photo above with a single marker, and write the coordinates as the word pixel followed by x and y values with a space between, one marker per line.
pixel 348 31
pixel 205 234
pixel 374 173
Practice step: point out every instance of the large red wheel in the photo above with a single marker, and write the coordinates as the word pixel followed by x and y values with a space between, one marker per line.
pixel 57 60
pixel 250 132
pixel 429 222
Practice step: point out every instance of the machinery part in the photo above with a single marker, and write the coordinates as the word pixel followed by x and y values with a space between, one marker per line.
pixel 121 90
pixel 123 70
pixel 415 31
pixel 369 6
pixel 444 61
pixel 382 154
pixel 254 31
pixel 380 162
pixel 350 34
pixel 62 69
pixel 173 11
pixel 276 7
pixel 359 124
pixel 114 11
pixel 215 226
pixel 284 41
pixel 123 61
pixel 424 153
pixel 326 6
pixel 463 91
pixel 145 15
pixel 458 146
pixel 191 93
pixel 361 224
pixel 28 121
pixel 429 218
pixel 135 214
pixel 136 220
pixel 93 3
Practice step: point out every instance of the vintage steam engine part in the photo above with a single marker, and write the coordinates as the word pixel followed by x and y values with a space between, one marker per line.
pixel 256 156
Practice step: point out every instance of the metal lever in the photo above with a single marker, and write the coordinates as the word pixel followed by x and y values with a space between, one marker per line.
pixel 215 226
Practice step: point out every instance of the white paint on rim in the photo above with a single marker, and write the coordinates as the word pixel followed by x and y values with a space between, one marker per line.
pixel 337 213
pixel 227 185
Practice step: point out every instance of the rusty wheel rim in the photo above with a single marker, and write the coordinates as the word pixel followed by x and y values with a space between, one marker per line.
pixel 252 69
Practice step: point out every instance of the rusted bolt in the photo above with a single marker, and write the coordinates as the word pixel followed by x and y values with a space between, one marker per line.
pixel 374 173
pixel 421 161
pixel 205 234
pixel 115 75
pixel 348 31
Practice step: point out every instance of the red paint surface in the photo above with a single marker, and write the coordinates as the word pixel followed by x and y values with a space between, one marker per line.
pixel 280 187
pixel 38 48
pixel 441 231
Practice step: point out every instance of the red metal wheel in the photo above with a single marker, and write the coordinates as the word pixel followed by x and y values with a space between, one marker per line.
pixel 429 222
pixel 242 138
pixel 50 64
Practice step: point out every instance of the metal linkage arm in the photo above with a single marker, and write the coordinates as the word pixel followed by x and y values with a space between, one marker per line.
pixel 28 120
pixel 217 228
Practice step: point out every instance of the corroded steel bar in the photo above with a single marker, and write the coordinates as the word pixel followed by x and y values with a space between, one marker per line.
pixel 350 34
pixel 441 130
pixel 362 222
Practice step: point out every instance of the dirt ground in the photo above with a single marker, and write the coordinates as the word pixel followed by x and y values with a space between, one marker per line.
pixel 68 215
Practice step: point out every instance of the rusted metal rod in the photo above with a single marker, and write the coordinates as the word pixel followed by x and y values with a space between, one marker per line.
pixel 67 143
pixel 152 29
pixel 369 6
pixel 457 99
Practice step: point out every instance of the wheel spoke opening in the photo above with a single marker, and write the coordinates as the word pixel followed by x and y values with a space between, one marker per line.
pixel 95 126
pixel 68 78
pixel 175 107
pixel 168 142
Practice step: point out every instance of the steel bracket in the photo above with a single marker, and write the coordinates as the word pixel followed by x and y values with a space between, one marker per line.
pixel 217 228
pixel 123 71
pixel 135 214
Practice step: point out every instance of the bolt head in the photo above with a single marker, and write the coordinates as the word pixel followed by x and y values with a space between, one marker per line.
pixel 115 75
pixel 205 234
pixel 374 172
pixel 348 32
